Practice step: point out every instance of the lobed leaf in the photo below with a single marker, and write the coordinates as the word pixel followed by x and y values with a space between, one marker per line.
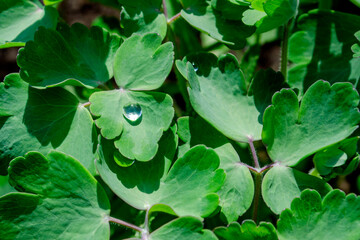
pixel 61 200
pixel 189 188
pixel 267 15
pixel 19 19
pixel 237 193
pixel 76 56
pixel 218 94
pixel 134 139
pixel 282 184
pixel 142 17
pixel 202 16
pixel 327 115
pixel 142 63
pixel 247 231
pixel 335 217
pixel 33 119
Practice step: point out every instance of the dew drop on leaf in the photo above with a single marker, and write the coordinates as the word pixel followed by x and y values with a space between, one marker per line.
pixel 195 66
pixel 132 112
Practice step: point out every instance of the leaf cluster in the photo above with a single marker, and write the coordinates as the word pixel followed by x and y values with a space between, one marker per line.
pixel 164 124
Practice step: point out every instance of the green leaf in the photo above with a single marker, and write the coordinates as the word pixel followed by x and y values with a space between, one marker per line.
pixel 356 47
pixel 195 177
pixel 237 193
pixel 5 187
pixel 142 63
pixel 337 158
pixel 19 19
pixel 218 94
pixel 327 115
pixel 322 49
pixel 271 14
pixel 62 200
pixel 33 119
pixel 335 217
pixel 51 2
pixel 141 17
pixel 356 2
pixel 75 56
pixel 135 139
pixel 282 184
pixel 184 228
pixel 230 9
pixel 203 17
pixel 247 231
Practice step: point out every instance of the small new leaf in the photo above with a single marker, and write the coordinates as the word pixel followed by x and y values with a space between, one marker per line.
pixel 267 15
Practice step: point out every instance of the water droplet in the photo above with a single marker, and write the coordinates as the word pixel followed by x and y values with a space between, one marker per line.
pixel 196 67
pixel 132 112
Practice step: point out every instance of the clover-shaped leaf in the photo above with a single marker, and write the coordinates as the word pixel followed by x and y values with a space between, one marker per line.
pixel 201 15
pixel 142 63
pixel 189 188
pixel 75 56
pixel 19 19
pixel 282 184
pixel 327 115
pixel 267 15
pixel 43 120
pixel 335 217
pixel 237 193
pixel 322 49
pixel 218 94
pixel 247 231
pixel 61 200
pixel 138 118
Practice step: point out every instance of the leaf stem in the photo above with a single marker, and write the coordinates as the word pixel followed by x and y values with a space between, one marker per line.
pixel 174 18
pixel 284 49
pixel 257 170
pixel 253 152
pixel 86 104
pixel 145 232
pixel 164 8
pixel 256 196
pixel 126 224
